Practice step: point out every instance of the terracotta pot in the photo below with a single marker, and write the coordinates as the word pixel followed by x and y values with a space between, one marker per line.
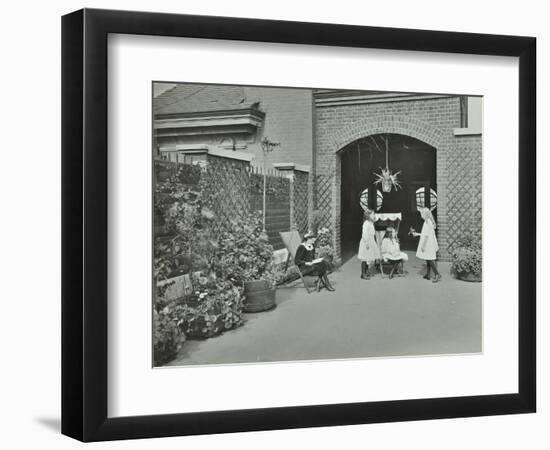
pixel 259 296
pixel 468 276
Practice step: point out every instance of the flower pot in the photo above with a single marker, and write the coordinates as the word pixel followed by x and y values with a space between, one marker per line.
pixel 468 276
pixel 258 296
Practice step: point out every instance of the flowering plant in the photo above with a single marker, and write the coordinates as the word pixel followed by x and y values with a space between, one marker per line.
pixel 215 306
pixel 187 241
pixel 467 256
pixel 324 244
pixel 243 252
pixel 167 337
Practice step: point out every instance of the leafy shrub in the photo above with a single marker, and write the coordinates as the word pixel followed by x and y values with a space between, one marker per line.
pixel 324 247
pixel 243 252
pixel 238 252
pixel 181 173
pixel 167 337
pixel 187 241
pixel 214 307
pixel 467 256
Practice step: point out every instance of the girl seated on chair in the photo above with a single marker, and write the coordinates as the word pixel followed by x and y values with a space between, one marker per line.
pixel 308 265
pixel 391 251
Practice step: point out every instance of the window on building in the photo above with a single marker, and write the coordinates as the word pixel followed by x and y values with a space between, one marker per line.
pixel 364 199
pixel 420 198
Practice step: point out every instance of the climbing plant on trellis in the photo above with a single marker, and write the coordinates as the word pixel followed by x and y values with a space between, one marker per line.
pixel 231 188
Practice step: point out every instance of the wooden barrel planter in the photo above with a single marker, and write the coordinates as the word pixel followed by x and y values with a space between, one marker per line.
pixel 259 296
pixel 468 276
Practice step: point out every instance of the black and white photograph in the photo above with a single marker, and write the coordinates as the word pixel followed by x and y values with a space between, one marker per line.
pixel 275 225
pixel 302 224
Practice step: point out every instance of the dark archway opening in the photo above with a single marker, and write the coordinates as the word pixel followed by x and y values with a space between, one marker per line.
pixel 360 160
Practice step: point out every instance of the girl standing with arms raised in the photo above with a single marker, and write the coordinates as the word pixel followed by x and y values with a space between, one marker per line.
pixel 368 252
pixel 427 246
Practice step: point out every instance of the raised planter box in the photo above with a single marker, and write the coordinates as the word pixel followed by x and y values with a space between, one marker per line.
pixel 179 287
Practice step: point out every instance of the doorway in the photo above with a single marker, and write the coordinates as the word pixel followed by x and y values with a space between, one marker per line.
pixel 360 160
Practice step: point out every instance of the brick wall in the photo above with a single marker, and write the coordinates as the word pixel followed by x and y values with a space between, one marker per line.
pixel 429 120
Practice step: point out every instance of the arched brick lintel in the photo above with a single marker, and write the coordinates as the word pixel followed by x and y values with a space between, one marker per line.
pixel 386 124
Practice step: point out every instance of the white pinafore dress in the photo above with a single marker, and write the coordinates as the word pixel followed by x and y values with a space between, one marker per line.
pixel 431 247
pixel 368 248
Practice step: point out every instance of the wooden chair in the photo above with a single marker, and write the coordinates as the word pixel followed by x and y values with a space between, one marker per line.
pixel 291 240
pixel 382 222
pixel 388 264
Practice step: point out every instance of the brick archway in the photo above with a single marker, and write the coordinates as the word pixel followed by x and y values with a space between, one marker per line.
pixel 394 124
pixel 386 124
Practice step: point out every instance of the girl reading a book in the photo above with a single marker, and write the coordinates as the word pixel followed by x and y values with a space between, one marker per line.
pixel 309 265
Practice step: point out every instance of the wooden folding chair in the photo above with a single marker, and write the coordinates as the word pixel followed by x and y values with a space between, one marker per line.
pixel 388 264
pixel 291 240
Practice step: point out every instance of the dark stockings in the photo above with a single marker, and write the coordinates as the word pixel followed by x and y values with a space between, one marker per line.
pixel 428 271
pixel 364 270
pixel 326 283
pixel 434 268
pixel 431 265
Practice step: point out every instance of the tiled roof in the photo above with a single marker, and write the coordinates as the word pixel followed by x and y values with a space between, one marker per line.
pixel 190 98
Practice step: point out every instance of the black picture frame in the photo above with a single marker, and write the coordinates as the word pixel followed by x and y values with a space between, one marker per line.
pixel 84 224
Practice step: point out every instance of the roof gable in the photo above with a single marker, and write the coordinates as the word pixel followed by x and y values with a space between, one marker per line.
pixel 191 98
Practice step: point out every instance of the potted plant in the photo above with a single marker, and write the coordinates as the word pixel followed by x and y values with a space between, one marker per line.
pixel 167 336
pixel 466 264
pixel 386 178
pixel 186 244
pixel 324 248
pixel 245 257
pixel 213 307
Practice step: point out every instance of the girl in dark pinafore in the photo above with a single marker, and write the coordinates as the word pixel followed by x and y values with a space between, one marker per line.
pixel 308 265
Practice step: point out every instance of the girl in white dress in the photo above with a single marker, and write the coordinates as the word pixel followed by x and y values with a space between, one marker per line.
pixel 427 246
pixel 391 251
pixel 368 252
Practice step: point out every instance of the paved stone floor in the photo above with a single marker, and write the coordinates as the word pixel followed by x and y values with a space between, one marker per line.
pixel 374 318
